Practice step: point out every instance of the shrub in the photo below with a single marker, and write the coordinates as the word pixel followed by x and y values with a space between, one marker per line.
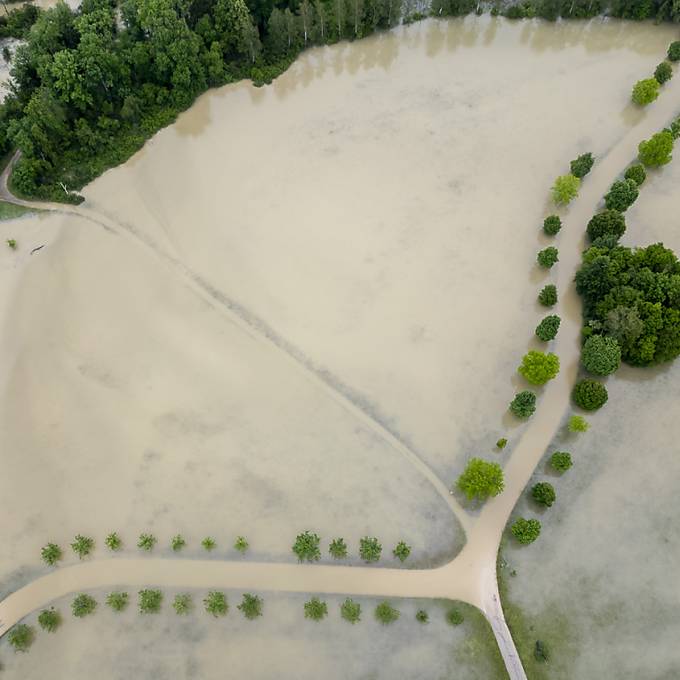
pixel 561 461
pixel 526 530
pixel 548 295
pixel 674 129
pixel 501 443
pixel 565 189
pixel 215 603
pixel 637 173
pixel 177 543
pixel 49 619
pixel 146 542
pixel 645 91
pixel 401 551
pixel 606 223
pixel 543 493
pixel 350 610
pixel 251 606
pixel 481 479
pixel 657 150
pixel 622 194
pixel 338 548
pixel 21 637
pixel 150 601
pixel 454 617
pixel 241 544
pixel 663 72
pixel 83 605
pixel 541 652
pixel 82 545
pixel 552 224
pixel 315 609
pixel 209 543
pixel 578 424
pixel 524 404
pixel 118 601
pixel 113 542
pixel 547 329
pixel 589 394
pixel 601 355
pixel 51 554
pixel 547 257
pixel 306 547
pixel 12 243
pixel 370 549
pixel 386 614
pixel 582 165
pixel 674 51
pixel 182 604
pixel 538 367
pixel 422 616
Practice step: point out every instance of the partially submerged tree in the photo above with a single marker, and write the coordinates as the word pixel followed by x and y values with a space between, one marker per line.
pixel 370 549
pixel 422 616
pixel 150 601
pixel 548 295
pixel 561 461
pixel 118 601
pixel 82 545
pixel 581 166
pixel 657 150
pixel 315 609
pixel 601 355
pixel 83 605
pixel 565 189
pixel 547 257
pixel 306 547
pixel 177 543
pixel 524 404
pixel 251 606
pixel 113 542
pixel 401 551
pixel 663 72
pixel 607 223
pixel 622 194
pixel 547 329
pixel 538 367
pixel 386 613
pixel 350 610
pixel 481 479
pixel 51 554
pixel 589 394
pixel 552 224
pixel 454 617
pixel 526 530
pixel 209 543
pixel 645 91
pixel 49 619
pixel 215 603
pixel 21 637
pixel 241 544
pixel 182 604
pixel 146 542
pixel 338 548
pixel 637 173
pixel 578 424
pixel 543 493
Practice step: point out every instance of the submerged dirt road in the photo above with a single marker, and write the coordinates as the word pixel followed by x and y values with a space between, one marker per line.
pixel 471 576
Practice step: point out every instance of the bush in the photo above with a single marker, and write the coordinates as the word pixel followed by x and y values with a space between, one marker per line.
pixel 565 189
pixel 146 542
pixel 82 546
pixel 552 224
pixel 315 609
pixel 645 91
pixel 524 404
pixel 12 243
pixel 215 603
pixel 589 394
pixel 21 637
pixel 117 601
pixel 481 479
pixel 657 150
pixel 578 424
pixel 601 355
pixel 541 652
pixel 182 604
pixel 663 72
pixel 83 605
pixel 526 530
pixel 385 613
pixel 51 554
pixel 606 223
pixel 501 443
pixel 338 548
pixel 561 461
pixel 548 295
pixel 454 617
pixel 401 551
pixel 370 549
pixel 422 616
pixel 538 367
pixel 582 165
pixel 350 610
pixel 150 601
pixel 547 257
pixel 547 329
pixel 637 173
pixel 622 194
pixel 674 51
pixel 241 544
pixel 49 619
pixel 543 493
pixel 251 606
pixel 113 542
pixel 209 543
pixel 306 547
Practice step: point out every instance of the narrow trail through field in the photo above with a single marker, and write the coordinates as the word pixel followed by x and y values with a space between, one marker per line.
pixel 470 576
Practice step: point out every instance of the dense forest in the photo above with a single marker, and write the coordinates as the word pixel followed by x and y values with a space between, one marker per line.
pixel 90 86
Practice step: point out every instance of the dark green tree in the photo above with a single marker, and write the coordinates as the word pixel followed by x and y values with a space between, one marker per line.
pixel 561 461
pixel 600 355
pixel 83 605
pixel 150 601
pixel 215 603
pixel 674 51
pixel 606 223
pixel 552 224
pixel 401 551
pixel 118 601
pixel 547 257
pixel 589 394
pixel 663 72
pixel 21 637
pixel 526 530
pixel 547 329
pixel 582 165
pixel 251 606
pixel 543 493
pixel 315 609
pixel 637 173
pixel 338 548
pixel 49 619
pixel 386 613
pixel 524 404
pixel 548 295
pixel 622 194
pixel 182 604
pixel 51 554
pixel 306 547
pixel 370 549
pixel 350 611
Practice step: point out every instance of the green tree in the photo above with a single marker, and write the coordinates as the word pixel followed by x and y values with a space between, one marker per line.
pixel 306 547
pixel 113 542
pixel 601 355
pixel 385 613
pixel 552 224
pixel 543 493
pixel 565 189
pixel 350 610
pixel 501 443
pixel 606 223
pixel 237 34
pixel 150 601
pixel 49 619
pixel 548 295
pixel 401 551
pixel 526 530
pixel 215 603
pixel 539 367
pixel 547 329
pixel 657 150
pixel 582 165
pixel 622 194
pixel 338 548
pixel 637 173
pixel 177 543
pixel 578 424
pixel 251 606
pixel 82 545
pixel 524 404
pixel 118 601
pixel 146 542
pixel 561 461
pixel 182 604
pixel 589 394
pixel 674 51
pixel 422 616
pixel 454 617
pixel 209 543
pixel 645 91
pixel 241 544
pixel 51 554
pixel 83 605
pixel 315 609
pixel 663 72
pixel 547 257
pixel 21 637
pixel 481 479
pixel 370 549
